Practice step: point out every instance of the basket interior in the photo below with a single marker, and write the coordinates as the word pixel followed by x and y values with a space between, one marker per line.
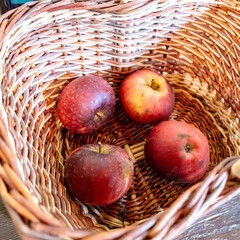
pixel 194 53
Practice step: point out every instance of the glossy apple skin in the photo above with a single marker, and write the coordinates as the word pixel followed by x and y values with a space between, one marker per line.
pixel 147 97
pixel 86 104
pixel 99 178
pixel 178 151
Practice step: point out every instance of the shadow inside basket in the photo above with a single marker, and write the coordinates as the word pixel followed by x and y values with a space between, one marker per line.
pixel 149 193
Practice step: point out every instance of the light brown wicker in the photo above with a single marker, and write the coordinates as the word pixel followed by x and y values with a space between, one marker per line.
pixel 46 44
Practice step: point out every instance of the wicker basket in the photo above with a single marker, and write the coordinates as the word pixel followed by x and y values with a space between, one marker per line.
pixel 46 44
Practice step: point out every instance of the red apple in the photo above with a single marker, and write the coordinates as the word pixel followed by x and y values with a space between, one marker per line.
pixel 178 151
pixel 147 97
pixel 99 174
pixel 86 104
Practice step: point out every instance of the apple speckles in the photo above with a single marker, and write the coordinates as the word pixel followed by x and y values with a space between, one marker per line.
pixel 99 177
pixel 200 163
pixel 182 145
pixel 127 172
pixel 148 93
pixel 86 104
pixel 137 115
pixel 181 136
pixel 183 156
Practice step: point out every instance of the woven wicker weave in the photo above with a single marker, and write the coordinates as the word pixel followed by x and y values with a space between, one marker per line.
pixel 46 44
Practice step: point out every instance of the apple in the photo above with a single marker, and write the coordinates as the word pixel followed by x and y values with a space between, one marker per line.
pixel 99 174
pixel 147 97
pixel 86 104
pixel 178 151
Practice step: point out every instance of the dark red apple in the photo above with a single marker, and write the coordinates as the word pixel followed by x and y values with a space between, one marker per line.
pixel 86 104
pixel 147 97
pixel 99 174
pixel 178 151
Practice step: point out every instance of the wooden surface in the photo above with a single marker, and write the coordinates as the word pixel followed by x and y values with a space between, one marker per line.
pixel 221 224
pixel 7 230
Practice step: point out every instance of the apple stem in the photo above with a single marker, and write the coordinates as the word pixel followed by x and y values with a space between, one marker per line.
pixel 155 85
pixel 100 146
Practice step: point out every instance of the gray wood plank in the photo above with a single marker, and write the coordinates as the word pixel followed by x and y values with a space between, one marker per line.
pixel 7 230
pixel 221 224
